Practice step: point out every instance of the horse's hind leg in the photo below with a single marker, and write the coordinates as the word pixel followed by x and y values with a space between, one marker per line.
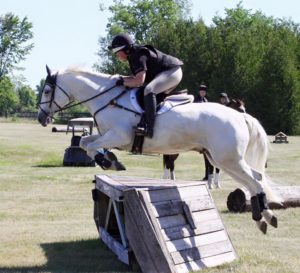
pixel 169 166
pixel 251 179
pixel 257 217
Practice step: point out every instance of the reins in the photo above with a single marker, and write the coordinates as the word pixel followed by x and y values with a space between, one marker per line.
pixel 69 105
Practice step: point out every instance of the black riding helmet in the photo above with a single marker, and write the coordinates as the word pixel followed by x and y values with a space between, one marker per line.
pixel 121 42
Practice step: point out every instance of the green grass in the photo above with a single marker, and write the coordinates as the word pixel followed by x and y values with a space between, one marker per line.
pixel 46 210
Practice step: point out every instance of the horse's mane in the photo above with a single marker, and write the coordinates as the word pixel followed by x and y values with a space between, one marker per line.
pixel 83 71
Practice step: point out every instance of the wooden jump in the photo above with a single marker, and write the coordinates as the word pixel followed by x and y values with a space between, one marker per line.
pixel 168 226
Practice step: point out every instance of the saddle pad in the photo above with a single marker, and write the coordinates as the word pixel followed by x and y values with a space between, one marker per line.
pixel 167 105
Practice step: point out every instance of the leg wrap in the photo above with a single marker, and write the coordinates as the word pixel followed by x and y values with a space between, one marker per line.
pixel 263 203
pixel 256 215
pixel 102 161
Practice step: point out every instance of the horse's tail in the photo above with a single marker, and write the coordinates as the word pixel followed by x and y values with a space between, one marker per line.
pixel 257 154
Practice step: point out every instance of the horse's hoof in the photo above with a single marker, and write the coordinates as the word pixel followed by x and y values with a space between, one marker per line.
pixel 262 225
pixel 110 156
pixel 270 217
pixel 102 162
pixel 274 222
pixel 118 166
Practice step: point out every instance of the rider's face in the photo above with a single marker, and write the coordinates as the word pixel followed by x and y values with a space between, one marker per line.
pixel 121 56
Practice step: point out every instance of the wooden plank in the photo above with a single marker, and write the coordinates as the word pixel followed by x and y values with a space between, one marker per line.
pixel 189 216
pixel 154 181
pixel 121 225
pixel 155 226
pixel 109 187
pixel 173 207
pixel 205 262
pixel 113 186
pixel 114 246
pixel 199 240
pixel 179 219
pixel 142 237
pixel 177 193
pixel 197 253
pixel 100 208
pixel 183 231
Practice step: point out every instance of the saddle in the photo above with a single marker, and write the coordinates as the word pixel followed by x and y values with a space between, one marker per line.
pixel 165 102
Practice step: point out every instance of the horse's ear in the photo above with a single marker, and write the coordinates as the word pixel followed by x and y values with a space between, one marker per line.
pixel 48 70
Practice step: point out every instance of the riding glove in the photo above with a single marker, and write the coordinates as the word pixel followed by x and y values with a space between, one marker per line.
pixel 120 81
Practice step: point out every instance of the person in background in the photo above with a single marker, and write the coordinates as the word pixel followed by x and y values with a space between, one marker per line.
pixel 202 94
pixel 215 176
pixel 224 98
pixel 199 99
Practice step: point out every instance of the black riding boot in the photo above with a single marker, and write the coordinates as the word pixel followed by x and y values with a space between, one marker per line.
pixel 150 111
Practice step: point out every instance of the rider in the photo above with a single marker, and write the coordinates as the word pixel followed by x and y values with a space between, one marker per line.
pixel 152 69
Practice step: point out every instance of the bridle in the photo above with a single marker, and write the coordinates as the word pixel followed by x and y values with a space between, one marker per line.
pixel 51 81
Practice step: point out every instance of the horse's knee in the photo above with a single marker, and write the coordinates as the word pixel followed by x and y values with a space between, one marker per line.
pixel 256 175
pixel 91 152
pixel 82 143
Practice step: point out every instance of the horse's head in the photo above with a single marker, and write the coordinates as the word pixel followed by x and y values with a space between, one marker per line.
pixel 52 99
pixel 237 104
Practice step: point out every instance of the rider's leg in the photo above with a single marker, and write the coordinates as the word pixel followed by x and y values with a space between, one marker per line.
pixel 163 82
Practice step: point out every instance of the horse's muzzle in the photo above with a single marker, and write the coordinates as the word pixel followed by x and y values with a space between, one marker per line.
pixel 44 119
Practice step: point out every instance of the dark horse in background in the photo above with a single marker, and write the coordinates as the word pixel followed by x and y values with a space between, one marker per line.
pixel 169 160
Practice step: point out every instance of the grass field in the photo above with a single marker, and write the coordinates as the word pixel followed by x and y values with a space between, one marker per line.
pixel 46 210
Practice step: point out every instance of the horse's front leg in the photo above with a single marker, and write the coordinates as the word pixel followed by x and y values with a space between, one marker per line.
pixel 85 140
pixel 108 160
pixel 105 158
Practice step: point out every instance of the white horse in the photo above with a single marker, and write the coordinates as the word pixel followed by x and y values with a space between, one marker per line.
pixel 233 142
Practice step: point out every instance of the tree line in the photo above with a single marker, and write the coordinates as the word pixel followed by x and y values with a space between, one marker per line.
pixel 247 54
pixel 15 44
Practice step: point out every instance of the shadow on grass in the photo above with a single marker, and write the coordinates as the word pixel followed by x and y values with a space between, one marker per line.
pixel 48 165
pixel 77 256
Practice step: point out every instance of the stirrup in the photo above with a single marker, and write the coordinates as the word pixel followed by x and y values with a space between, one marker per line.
pixel 143 131
pixel 140 131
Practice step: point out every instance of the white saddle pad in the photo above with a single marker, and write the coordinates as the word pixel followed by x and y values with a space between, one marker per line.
pixel 167 105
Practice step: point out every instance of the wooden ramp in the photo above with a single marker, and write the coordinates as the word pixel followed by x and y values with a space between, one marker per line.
pixel 170 226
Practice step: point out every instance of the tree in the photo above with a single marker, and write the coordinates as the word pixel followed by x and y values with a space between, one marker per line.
pixel 8 97
pixel 186 39
pixel 27 99
pixel 257 58
pixel 39 89
pixel 15 36
pixel 141 19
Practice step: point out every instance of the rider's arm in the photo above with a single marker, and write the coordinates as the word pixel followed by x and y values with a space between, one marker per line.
pixel 135 81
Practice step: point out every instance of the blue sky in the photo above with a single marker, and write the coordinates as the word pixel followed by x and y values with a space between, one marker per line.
pixel 66 32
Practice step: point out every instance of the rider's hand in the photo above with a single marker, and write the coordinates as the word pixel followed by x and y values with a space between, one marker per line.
pixel 120 81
